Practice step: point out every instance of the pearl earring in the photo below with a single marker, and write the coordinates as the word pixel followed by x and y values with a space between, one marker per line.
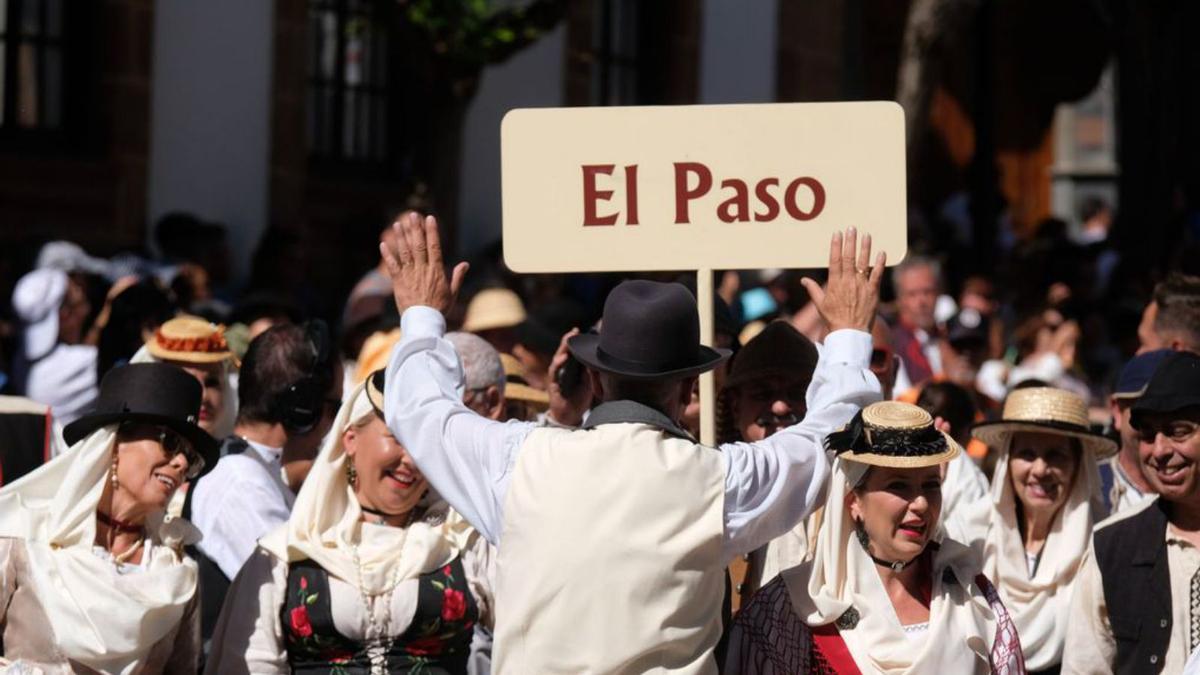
pixel 113 476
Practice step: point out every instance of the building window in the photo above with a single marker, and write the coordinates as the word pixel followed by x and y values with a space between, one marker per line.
pixel 347 97
pixel 31 64
pixel 615 69
pixel 625 52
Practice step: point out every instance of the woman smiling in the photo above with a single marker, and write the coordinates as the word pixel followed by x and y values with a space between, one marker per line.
pixel 370 573
pixel 886 592
pixel 92 575
pixel 1034 530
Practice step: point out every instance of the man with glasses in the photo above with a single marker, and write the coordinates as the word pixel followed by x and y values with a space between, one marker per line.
pixel 289 391
pixel 1137 598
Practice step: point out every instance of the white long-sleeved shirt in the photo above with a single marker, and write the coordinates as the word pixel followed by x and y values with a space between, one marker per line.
pixel 769 485
pixel 240 500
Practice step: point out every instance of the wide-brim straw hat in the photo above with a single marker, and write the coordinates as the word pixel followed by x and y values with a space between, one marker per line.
pixel 893 434
pixel 1044 410
pixel 517 389
pixel 493 308
pixel 190 339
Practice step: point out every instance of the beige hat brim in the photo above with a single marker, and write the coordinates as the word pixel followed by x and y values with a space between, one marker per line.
pixel 902 462
pixel 522 392
pixel 997 435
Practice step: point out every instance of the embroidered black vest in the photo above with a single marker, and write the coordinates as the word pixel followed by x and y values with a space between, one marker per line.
pixel 437 642
pixel 1132 557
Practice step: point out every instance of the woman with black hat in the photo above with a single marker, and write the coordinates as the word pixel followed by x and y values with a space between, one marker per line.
pixel 887 591
pixel 1034 530
pixel 370 574
pixel 93 575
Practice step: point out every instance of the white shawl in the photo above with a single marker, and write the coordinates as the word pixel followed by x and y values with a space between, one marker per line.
pixel 841 575
pixel 1040 605
pixel 326 523
pixel 105 620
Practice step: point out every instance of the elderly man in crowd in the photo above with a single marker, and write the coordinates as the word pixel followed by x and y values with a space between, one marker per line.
pixel 613 539
pixel 1136 607
pixel 1172 318
pixel 917 282
pixel 1122 482
pixel 483 374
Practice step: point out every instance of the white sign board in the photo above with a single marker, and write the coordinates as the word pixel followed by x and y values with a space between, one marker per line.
pixel 699 187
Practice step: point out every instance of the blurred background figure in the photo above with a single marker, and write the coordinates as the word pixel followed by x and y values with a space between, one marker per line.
pixel 54 366
pixel 484 376
pixel 494 314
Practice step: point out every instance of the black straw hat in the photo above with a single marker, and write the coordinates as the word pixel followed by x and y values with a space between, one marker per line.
pixel 157 393
pixel 650 330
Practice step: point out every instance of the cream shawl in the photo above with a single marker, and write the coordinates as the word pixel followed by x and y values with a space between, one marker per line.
pixel 841 575
pixel 1040 605
pixel 326 523
pixel 105 620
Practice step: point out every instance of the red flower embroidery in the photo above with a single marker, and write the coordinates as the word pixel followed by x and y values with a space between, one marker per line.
pixel 304 583
pixel 454 605
pixel 300 624
pixel 429 646
pixel 446 570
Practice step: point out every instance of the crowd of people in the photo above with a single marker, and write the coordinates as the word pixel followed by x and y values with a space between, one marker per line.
pixel 986 481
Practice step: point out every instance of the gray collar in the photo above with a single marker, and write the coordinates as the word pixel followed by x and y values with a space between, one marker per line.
pixel 631 412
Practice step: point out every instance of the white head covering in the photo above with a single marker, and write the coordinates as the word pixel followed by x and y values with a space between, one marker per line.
pixel 36 300
pixel 326 522
pixel 223 425
pixel 103 619
pixel 1040 605
pixel 841 575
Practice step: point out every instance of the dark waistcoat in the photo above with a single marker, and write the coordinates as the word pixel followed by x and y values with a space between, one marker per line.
pixel 1132 557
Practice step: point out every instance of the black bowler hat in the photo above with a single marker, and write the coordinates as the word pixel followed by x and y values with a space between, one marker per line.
pixel 1174 386
pixel 650 330
pixel 156 393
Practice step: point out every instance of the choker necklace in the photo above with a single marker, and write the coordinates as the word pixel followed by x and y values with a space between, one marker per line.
pixel 896 565
pixel 383 516
pixel 118 525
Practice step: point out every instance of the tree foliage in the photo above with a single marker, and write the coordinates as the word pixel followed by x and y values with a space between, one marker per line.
pixel 475 33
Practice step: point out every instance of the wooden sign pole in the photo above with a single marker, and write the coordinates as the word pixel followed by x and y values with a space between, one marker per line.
pixel 704 300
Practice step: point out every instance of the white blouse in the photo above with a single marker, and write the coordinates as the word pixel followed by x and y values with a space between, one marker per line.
pixel 249 636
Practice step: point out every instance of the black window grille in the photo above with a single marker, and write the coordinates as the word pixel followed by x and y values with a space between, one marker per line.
pixel 348 76
pixel 32 56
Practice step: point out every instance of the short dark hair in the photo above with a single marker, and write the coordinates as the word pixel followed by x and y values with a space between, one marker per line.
pixel 1178 300
pixel 276 359
pixel 952 403
pixel 656 394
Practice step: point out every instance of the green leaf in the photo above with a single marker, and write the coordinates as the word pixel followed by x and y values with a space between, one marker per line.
pixel 438 585
pixel 312 600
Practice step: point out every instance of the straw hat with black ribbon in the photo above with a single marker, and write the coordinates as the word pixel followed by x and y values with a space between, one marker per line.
pixel 893 434
pixel 1044 410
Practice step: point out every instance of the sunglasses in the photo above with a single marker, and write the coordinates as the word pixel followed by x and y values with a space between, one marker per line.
pixel 171 441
